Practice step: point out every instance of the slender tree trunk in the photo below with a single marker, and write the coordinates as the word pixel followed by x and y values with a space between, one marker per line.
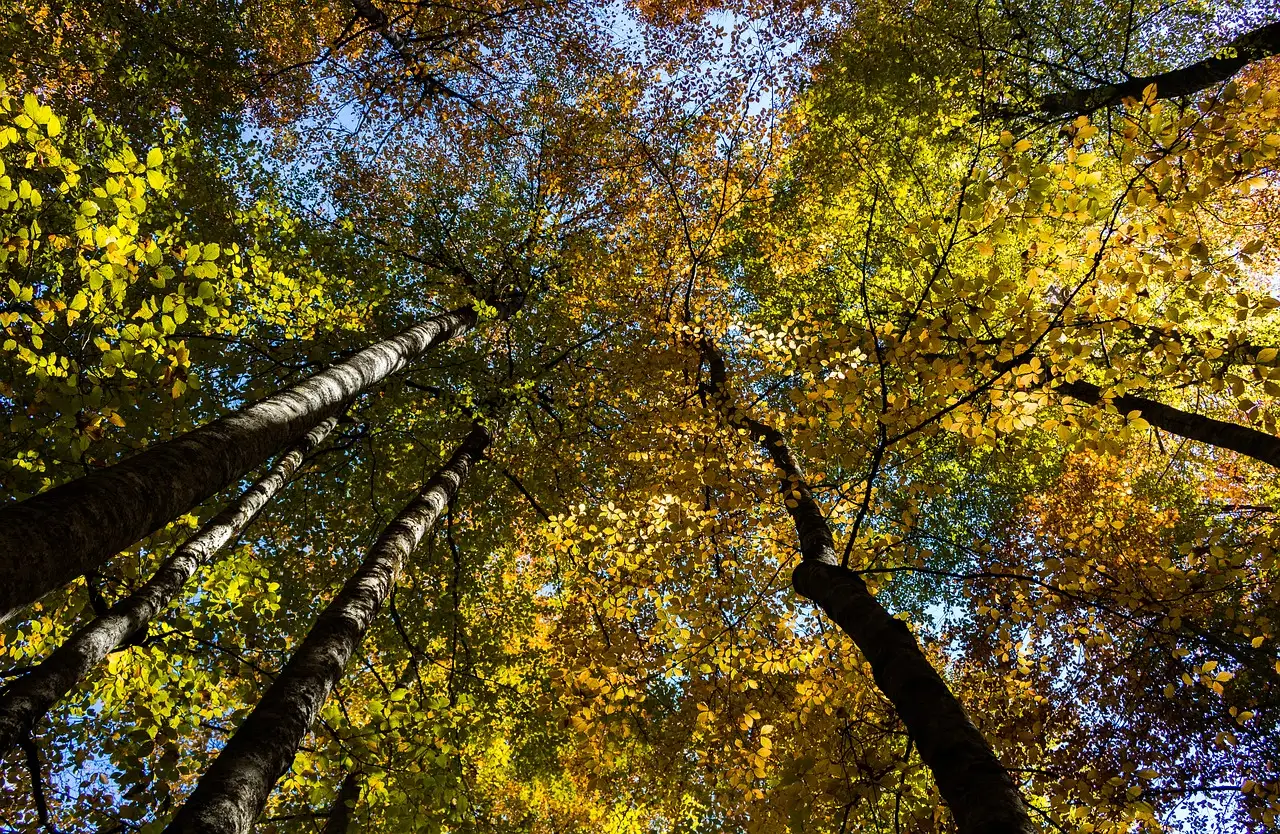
pixel 29 697
pixel 1247 441
pixel 232 793
pixel 1239 53
pixel 50 539
pixel 344 806
pixel 981 794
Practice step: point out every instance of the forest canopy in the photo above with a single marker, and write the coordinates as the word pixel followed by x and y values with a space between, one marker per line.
pixel 812 416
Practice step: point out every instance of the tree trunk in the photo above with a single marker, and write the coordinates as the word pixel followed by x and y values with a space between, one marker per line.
pixel 1247 441
pixel 232 793
pixel 980 792
pixel 29 697
pixel 50 539
pixel 378 19
pixel 344 806
pixel 1248 48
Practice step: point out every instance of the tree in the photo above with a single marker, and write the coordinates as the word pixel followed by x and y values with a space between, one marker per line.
pixel 979 790
pixel 231 795
pixel 63 533
pixel 1009 366
pixel 340 818
pixel 1231 57
pixel 1242 439
pixel 25 700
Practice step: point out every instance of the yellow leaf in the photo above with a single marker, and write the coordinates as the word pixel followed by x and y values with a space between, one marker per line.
pixel 31 105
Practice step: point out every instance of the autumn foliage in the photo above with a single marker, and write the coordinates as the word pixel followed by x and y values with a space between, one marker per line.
pixel 926 303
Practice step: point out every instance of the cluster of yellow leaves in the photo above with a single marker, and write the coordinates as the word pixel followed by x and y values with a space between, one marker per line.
pixel 104 290
pixel 91 306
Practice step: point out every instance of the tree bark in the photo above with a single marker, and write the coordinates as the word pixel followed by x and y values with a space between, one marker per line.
pixel 378 19
pixel 344 806
pixel 1247 441
pixel 232 793
pixel 1248 48
pixel 50 539
pixel 29 697
pixel 983 797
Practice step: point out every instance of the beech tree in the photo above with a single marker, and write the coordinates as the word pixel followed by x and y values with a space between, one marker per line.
pixel 877 408
pixel 231 795
pixel 970 778
pixel 63 533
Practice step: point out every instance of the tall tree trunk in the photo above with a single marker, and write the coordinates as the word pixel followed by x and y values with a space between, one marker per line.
pixel 232 793
pixel 344 806
pixel 29 697
pixel 981 794
pixel 1250 47
pixel 50 539
pixel 1247 441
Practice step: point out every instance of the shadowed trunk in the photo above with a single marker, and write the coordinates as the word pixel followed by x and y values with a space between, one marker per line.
pixel 344 806
pixel 378 20
pixel 29 697
pixel 232 793
pixel 1238 54
pixel 1247 441
pixel 980 792
pixel 50 539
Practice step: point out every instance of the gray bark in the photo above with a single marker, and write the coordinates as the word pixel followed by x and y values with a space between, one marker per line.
pixel 232 793
pixel 378 19
pixel 1193 78
pixel 50 539
pixel 981 794
pixel 1247 441
pixel 29 697
pixel 344 806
